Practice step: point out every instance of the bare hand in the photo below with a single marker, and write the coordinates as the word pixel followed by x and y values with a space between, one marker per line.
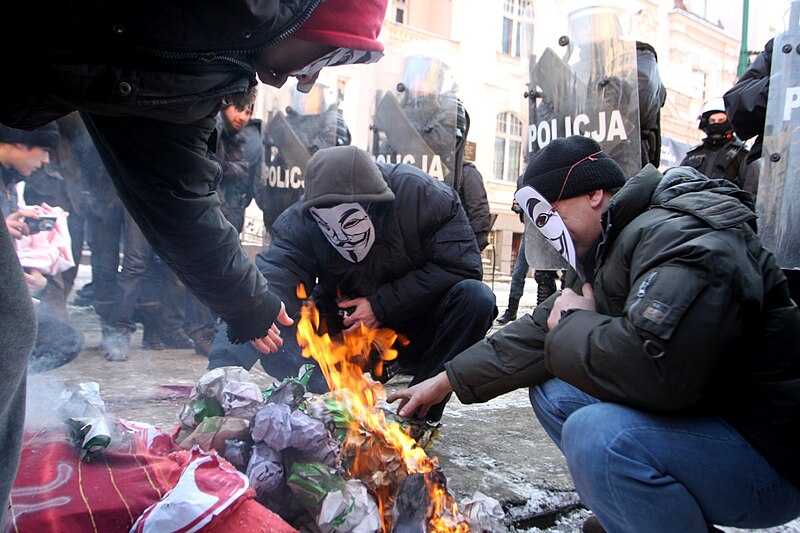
pixel 570 299
pixel 420 397
pixel 35 280
pixel 18 227
pixel 362 315
pixel 272 340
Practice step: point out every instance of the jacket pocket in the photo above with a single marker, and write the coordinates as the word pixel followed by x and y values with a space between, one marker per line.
pixel 661 297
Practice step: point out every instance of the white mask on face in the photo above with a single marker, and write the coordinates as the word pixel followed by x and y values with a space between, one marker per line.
pixel 348 228
pixel 549 224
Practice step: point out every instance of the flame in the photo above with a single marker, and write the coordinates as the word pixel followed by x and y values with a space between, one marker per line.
pixel 342 364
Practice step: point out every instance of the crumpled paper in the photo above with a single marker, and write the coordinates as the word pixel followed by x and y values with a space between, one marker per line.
pixel 85 413
pixel 265 470
pixel 213 431
pixel 350 510
pixel 312 482
pixel 233 390
pixel 483 514
pixel 280 428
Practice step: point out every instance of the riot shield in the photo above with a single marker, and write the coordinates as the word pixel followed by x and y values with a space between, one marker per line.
pixel 297 125
pixel 415 109
pixel 583 81
pixel 779 186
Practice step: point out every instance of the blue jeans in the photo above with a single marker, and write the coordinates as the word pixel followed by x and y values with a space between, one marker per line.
pixel 640 471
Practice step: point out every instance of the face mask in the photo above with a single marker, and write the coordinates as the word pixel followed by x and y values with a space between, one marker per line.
pixel 348 228
pixel 549 224
pixel 719 130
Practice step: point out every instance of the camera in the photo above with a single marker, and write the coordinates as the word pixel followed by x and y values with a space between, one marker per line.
pixel 43 223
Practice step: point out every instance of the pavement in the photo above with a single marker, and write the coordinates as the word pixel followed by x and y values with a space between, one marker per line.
pixel 497 448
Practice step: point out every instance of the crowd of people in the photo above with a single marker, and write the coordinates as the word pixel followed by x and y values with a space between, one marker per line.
pixel 672 341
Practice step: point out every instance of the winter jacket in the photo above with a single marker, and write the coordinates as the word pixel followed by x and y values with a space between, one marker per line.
pixel 149 79
pixel 746 101
pixel 726 160
pixel 693 316
pixel 473 197
pixel 423 246
pixel 162 59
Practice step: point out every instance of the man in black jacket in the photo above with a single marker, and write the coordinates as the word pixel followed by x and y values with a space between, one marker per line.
pixel 677 345
pixel 149 79
pixel 380 245
pixel 721 154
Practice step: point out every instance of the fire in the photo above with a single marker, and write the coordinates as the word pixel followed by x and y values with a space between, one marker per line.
pixel 342 365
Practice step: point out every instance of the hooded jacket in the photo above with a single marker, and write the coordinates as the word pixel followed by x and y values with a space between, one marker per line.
pixel 423 246
pixel 692 316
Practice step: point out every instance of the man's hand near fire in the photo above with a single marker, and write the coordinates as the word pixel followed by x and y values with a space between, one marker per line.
pixel 416 400
pixel 361 314
pixel 270 342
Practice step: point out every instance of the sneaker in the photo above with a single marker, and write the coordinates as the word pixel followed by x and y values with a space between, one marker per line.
pixel 203 339
pixel 177 339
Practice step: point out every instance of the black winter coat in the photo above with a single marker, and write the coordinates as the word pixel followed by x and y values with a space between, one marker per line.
pixel 724 161
pixel 746 101
pixel 693 316
pixel 423 246
pixel 149 78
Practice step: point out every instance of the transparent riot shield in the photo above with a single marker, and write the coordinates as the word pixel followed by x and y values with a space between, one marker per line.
pixel 296 126
pixel 415 109
pixel 583 81
pixel 779 186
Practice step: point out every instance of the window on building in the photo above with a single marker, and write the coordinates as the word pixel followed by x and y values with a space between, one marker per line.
pixel 515 14
pixel 507 147
pixel 400 11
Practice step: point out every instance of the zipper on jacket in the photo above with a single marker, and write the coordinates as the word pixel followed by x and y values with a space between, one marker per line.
pixel 651 277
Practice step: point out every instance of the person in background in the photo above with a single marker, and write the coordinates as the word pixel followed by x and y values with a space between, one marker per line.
pixel 721 154
pixel 678 345
pixel 471 189
pixel 368 252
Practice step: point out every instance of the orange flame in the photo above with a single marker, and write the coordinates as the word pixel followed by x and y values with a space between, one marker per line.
pixel 342 365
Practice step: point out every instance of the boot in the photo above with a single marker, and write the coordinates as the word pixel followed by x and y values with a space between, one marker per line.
pixel 592 525
pixel 151 327
pixel 545 284
pixel 119 344
pixel 511 312
pixel 203 338
pixel 177 339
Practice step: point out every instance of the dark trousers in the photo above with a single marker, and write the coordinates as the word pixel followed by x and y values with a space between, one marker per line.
pixel 104 237
pixel 136 264
pixel 521 268
pixel 461 319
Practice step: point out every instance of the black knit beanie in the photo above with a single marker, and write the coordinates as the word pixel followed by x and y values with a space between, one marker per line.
pixel 46 137
pixel 549 168
pixel 343 174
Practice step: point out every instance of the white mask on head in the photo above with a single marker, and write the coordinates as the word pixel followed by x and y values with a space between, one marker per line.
pixel 348 228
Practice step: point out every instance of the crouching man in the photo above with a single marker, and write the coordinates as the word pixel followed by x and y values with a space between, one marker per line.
pixel 378 244
pixel 670 378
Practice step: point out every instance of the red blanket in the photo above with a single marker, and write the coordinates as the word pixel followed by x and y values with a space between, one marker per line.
pixel 55 491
